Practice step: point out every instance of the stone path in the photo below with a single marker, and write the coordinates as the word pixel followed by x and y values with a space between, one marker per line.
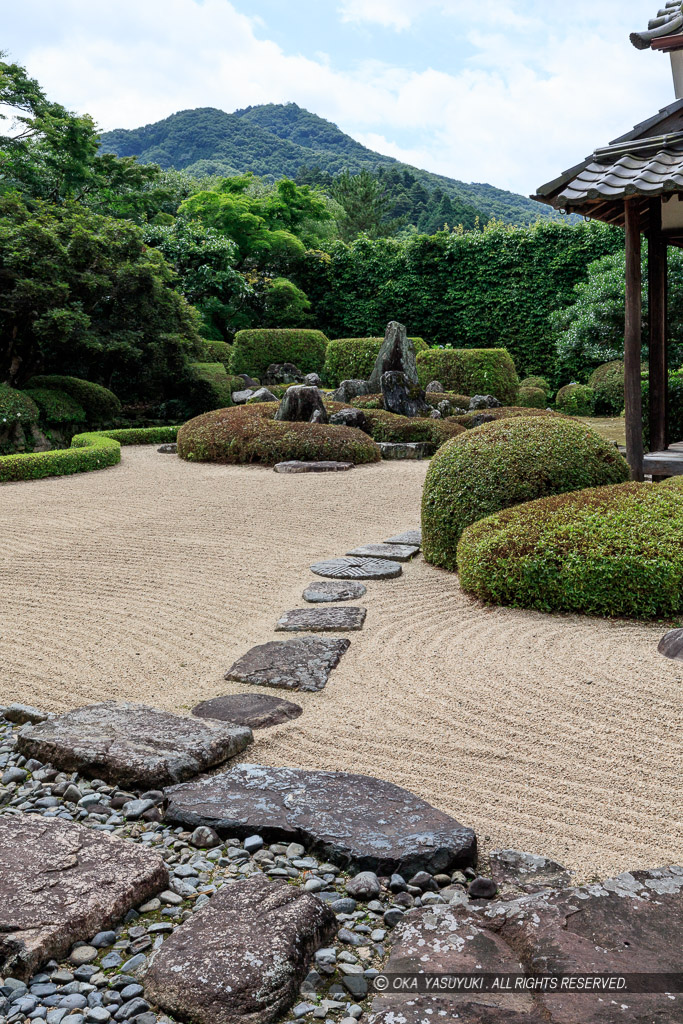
pixel 255 710
pixel 357 569
pixel 322 620
pixel 395 552
pixel 324 593
pixel 409 537
pixel 302 664
pixel 351 819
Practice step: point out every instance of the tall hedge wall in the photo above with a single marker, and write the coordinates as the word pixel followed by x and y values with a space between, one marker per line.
pixel 478 290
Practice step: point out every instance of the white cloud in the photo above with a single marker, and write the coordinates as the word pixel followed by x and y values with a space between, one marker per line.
pixel 524 106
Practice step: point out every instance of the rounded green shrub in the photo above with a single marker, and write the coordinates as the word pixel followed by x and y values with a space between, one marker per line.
pixel 16 407
pixel 94 450
pixel 471 371
pixel 101 405
pixel 575 400
pixel 248 433
pixel 506 412
pixel 212 387
pixel 607 384
pixel 536 382
pixel 610 551
pixel 254 351
pixel 216 352
pixel 505 463
pixel 56 406
pixel 355 358
pixel 532 398
pixel 387 426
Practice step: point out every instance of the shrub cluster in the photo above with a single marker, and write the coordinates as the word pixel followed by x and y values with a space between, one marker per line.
pixel 248 433
pixel 94 450
pixel 100 404
pixel 532 398
pixel 505 463
pixel 16 407
pixel 575 400
pixel 254 351
pixel 216 352
pixel 56 406
pixel 611 551
pixel 536 382
pixel 355 358
pixel 470 371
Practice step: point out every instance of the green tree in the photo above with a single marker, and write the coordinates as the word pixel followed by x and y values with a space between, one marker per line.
pixel 365 204
pixel 82 294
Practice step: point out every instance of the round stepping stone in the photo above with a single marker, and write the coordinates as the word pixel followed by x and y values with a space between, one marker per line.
pixel 313 467
pixel 409 537
pixel 322 620
pixel 358 569
pixel 394 552
pixel 327 593
pixel 671 645
pixel 258 711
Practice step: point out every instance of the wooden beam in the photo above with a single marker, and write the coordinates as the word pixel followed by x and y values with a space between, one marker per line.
pixel 633 341
pixel 657 291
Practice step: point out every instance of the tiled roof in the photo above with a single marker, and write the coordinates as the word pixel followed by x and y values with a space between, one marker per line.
pixel 669 22
pixel 651 167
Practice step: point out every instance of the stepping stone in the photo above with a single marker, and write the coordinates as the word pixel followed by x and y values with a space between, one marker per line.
pixel 409 537
pixel 132 745
pixel 527 871
pixel 358 569
pixel 322 620
pixel 302 664
pixel 627 925
pixel 395 552
pixel 242 957
pixel 313 467
pixel 671 645
pixel 168 449
pixel 255 710
pixel 412 450
pixel 353 820
pixel 20 714
pixel 323 593
pixel 61 883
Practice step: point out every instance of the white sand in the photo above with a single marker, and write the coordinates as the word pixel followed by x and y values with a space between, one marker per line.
pixel 145 582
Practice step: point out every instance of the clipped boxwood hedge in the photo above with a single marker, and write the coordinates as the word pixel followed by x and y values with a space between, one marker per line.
pixel 248 433
pixel 610 551
pixel 213 386
pixel 575 400
pixel 93 450
pixel 101 405
pixel 471 371
pixel 57 406
pixel 355 358
pixel 16 407
pixel 254 351
pixel 607 385
pixel 536 382
pixel 532 398
pixel 505 463
pixel 217 352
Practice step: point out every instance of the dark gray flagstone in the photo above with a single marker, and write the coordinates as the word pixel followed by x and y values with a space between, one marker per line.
pixel 326 619
pixel 393 552
pixel 301 664
pixel 409 537
pixel 322 592
pixel 255 710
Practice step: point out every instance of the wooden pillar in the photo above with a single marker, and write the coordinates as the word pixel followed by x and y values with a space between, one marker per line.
pixel 657 290
pixel 633 341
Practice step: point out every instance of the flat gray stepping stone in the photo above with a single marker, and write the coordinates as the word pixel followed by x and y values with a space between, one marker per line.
pixel 671 645
pixel 353 820
pixel 242 957
pixel 409 537
pixel 255 710
pixel 322 620
pixel 131 744
pixel 301 664
pixel 61 883
pixel 393 552
pixel 358 569
pixel 327 593
pixel 313 467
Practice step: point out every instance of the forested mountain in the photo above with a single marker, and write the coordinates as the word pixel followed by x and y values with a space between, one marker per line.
pixel 284 140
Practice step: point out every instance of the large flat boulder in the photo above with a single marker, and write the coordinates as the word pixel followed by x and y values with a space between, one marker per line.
pixel 626 926
pixel 60 883
pixel 301 664
pixel 242 957
pixel 132 745
pixel 352 820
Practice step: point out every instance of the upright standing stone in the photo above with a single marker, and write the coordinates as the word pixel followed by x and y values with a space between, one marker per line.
pixel 402 397
pixel 299 403
pixel 61 883
pixel 397 353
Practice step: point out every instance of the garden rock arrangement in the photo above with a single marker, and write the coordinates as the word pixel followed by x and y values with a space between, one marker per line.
pixel 352 820
pixel 255 710
pixel 132 745
pixel 302 664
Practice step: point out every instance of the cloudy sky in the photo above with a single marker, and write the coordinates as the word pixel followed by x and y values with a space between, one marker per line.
pixel 509 92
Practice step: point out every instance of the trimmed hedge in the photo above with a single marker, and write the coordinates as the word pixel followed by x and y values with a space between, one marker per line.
pixel 506 412
pixel 213 388
pixel 254 351
pixel 471 371
pixel 610 551
pixel 16 407
pixel 56 406
pixel 249 434
pixel 93 450
pixel 532 398
pixel 101 405
pixel 575 400
pixel 387 426
pixel 355 358
pixel 217 352
pixel 535 382
pixel 505 463
pixel 607 384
